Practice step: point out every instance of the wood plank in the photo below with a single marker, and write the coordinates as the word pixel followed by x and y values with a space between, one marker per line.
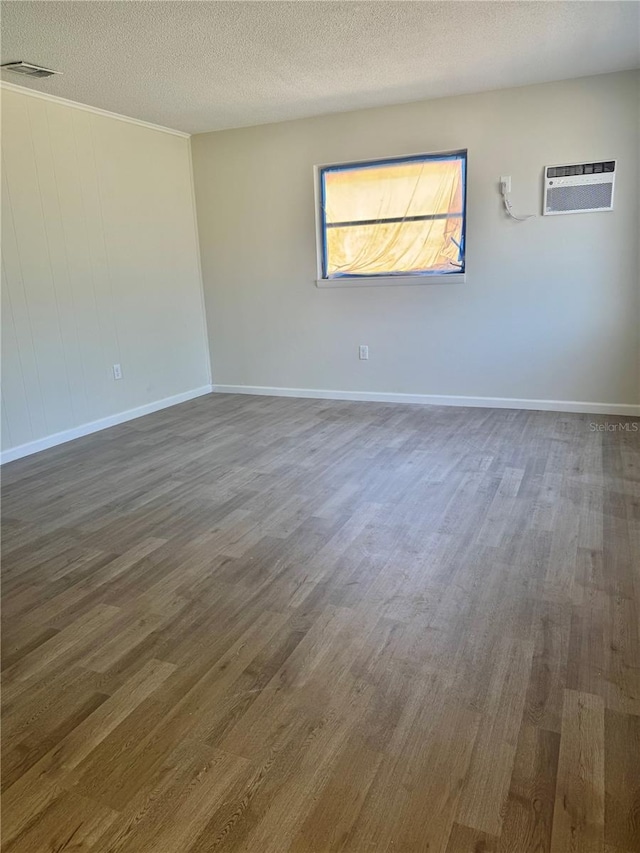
pixel 578 817
pixel 487 785
pixel 529 810
pixel 622 780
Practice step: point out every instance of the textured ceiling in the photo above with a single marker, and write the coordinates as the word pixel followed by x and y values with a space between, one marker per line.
pixel 198 66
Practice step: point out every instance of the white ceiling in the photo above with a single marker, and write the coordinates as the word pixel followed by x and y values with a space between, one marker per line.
pixel 198 66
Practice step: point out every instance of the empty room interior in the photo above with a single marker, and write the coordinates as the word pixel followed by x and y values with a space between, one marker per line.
pixel 320 426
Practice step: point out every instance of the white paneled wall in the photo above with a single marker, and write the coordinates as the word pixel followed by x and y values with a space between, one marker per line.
pixel 100 266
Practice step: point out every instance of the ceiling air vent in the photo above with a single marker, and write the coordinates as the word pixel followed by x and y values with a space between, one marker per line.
pixel 28 69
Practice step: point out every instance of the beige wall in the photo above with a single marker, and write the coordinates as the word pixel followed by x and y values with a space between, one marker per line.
pixel 100 266
pixel 550 307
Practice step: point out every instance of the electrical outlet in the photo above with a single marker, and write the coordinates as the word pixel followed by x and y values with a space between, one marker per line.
pixel 505 183
pixel 117 371
pixel 363 352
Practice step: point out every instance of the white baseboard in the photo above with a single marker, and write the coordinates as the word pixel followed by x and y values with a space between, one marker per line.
pixel 95 426
pixel 629 409
pixel 435 400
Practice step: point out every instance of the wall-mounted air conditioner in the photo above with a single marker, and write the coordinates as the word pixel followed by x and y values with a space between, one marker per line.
pixel 579 187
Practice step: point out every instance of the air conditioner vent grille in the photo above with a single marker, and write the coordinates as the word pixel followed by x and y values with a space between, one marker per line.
pixel 579 198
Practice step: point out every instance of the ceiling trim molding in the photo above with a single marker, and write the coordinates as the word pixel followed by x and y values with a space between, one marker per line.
pixel 65 102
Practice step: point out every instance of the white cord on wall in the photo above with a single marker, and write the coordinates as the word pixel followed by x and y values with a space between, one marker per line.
pixel 504 192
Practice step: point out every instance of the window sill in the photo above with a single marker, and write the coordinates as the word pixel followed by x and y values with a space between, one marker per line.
pixel 392 280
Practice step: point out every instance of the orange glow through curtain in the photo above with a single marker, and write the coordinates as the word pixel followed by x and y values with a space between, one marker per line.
pixel 358 200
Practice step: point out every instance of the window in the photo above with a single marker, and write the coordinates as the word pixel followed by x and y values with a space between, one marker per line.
pixel 392 219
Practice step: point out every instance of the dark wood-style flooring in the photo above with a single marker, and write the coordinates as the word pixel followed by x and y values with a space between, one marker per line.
pixel 267 625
